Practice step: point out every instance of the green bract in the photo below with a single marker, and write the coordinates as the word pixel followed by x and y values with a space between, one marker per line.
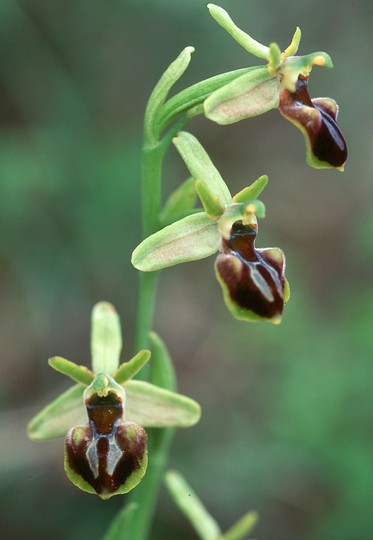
pixel 201 520
pixel 281 84
pixel 252 280
pixel 106 452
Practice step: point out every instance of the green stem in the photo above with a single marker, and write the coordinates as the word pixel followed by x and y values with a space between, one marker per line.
pixel 145 496
pixel 152 160
pixel 148 282
pixel 146 493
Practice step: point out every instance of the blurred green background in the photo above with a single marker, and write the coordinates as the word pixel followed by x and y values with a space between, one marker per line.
pixel 287 410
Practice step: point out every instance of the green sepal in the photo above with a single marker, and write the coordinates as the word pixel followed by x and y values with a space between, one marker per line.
pixel 162 372
pixel 152 406
pixel 251 192
pixel 80 374
pixel 127 370
pixel 200 165
pixel 147 405
pixel 191 238
pixel 212 204
pixel 106 338
pixel 242 38
pixel 179 204
pixel 192 507
pixel 59 415
pixel 250 95
pixel 194 96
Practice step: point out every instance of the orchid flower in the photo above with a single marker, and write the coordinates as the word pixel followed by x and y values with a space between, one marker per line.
pixel 281 84
pixel 106 453
pixel 253 280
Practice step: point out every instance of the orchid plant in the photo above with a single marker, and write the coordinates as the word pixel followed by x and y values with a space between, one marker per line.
pixel 118 428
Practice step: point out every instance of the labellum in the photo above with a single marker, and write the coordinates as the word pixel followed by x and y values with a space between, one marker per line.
pixel 107 456
pixel 317 119
pixel 253 280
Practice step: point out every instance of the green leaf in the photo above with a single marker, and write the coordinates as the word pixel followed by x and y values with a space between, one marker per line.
pixel 152 406
pixel 162 372
pixel 251 192
pixel 242 528
pixel 122 523
pixel 200 165
pixel 246 41
pixel 106 338
pixel 180 203
pixel 55 420
pixel 191 506
pixel 80 374
pixel 159 94
pixel 191 238
pixel 250 95
pixel 127 370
